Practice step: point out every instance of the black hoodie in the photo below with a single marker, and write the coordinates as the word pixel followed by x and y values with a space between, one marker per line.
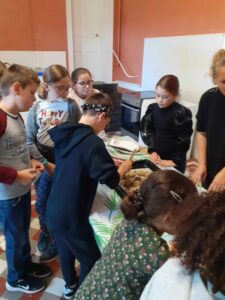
pixel 81 161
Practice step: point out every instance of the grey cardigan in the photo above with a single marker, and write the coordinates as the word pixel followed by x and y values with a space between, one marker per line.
pixel 32 126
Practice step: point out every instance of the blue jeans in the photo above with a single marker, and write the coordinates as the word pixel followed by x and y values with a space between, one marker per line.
pixel 15 216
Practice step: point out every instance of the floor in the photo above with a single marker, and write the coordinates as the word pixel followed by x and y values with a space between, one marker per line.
pixel 55 286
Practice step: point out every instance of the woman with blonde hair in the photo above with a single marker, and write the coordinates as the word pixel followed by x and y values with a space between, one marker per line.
pixel 211 130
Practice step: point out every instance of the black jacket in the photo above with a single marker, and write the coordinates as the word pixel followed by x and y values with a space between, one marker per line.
pixel 167 130
pixel 81 161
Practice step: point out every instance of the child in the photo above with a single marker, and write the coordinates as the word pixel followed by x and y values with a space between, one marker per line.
pixel 18 85
pixel 81 86
pixel 81 161
pixel 45 114
pixel 136 250
pixel 167 125
pixel 197 272
pixel 211 130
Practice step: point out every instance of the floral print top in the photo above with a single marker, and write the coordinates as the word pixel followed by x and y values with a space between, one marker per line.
pixel 133 254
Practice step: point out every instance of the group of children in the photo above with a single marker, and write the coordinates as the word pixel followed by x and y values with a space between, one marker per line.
pixel 61 152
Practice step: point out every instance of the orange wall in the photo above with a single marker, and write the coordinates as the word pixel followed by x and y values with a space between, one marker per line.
pixel 28 25
pixel 154 18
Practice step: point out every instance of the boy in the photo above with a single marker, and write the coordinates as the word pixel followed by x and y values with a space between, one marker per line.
pixel 81 161
pixel 18 85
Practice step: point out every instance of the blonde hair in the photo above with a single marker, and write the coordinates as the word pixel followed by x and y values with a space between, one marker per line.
pixel 218 61
pixel 52 74
pixel 16 73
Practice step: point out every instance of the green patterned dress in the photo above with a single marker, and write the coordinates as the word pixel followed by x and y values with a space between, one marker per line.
pixel 133 254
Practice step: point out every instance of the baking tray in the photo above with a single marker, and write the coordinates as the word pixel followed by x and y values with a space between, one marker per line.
pixel 138 164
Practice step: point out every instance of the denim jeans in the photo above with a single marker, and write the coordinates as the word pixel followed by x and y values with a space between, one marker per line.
pixel 15 215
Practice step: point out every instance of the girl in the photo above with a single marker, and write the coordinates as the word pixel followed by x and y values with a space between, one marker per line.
pixel 45 114
pixel 167 125
pixel 136 250
pixel 197 272
pixel 81 86
pixel 211 130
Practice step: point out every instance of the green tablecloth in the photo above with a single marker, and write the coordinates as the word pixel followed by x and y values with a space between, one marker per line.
pixel 106 214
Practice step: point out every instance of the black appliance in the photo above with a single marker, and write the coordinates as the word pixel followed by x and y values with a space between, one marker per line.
pixel 112 90
pixel 131 103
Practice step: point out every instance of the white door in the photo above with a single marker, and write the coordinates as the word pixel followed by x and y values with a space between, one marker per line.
pixel 92 22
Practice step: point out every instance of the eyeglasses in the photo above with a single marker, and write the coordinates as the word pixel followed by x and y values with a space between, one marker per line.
pixel 85 83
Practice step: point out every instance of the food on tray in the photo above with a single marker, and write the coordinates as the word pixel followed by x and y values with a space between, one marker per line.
pixel 133 179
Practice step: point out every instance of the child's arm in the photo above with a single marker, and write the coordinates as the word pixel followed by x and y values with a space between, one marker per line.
pixel 147 130
pixel 31 134
pixel 49 168
pixel 200 172
pixel 27 176
pixel 102 167
pixel 9 175
pixel 218 183
pixel 183 128
pixel 124 167
pixel 37 165
pixel 155 158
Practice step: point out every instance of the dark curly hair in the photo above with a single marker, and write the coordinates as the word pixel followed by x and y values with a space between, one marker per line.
pixel 200 240
pixel 157 196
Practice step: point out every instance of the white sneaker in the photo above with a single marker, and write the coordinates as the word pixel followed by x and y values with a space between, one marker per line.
pixel 69 292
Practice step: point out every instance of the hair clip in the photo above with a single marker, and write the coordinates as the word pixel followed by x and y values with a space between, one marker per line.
pixel 138 201
pixel 98 108
pixel 176 196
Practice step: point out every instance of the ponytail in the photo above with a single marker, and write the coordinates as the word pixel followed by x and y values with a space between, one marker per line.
pixel 133 208
pixel 42 92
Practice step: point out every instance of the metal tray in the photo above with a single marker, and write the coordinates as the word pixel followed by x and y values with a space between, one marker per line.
pixel 138 164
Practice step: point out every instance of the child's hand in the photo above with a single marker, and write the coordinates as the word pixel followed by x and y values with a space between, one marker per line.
pixel 155 158
pixel 199 174
pixel 166 163
pixel 49 168
pixel 218 183
pixel 125 167
pixel 26 176
pixel 37 165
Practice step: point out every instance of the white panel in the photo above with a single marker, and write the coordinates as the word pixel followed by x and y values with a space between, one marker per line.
pixel 188 57
pixel 34 59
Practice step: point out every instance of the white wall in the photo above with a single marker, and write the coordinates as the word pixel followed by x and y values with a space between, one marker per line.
pixel 188 57
pixel 34 59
